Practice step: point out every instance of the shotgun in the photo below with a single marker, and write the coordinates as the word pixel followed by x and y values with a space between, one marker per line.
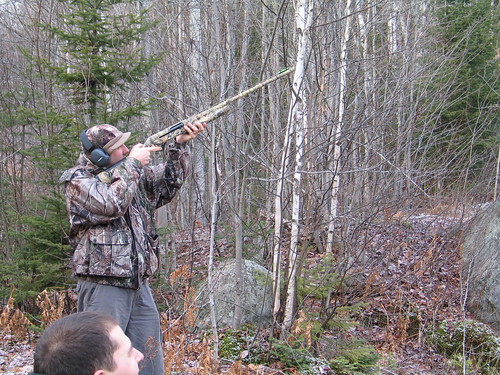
pixel 165 135
pixel 208 115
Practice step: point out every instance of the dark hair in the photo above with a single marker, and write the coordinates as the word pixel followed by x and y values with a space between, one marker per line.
pixel 78 344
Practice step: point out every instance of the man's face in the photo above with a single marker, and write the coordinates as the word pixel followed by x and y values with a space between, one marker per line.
pixel 118 155
pixel 126 357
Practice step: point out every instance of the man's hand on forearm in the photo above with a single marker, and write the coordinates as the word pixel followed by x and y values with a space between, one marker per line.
pixel 192 130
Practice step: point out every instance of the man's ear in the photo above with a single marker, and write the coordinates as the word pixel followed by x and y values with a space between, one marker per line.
pixel 100 372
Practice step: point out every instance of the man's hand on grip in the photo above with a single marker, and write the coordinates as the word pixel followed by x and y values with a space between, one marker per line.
pixel 143 154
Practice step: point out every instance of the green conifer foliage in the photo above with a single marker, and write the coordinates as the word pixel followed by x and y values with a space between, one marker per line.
pixel 88 61
pixel 467 134
pixel 102 56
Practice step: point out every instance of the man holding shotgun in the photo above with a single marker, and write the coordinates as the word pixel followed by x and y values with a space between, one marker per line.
pixel 111 194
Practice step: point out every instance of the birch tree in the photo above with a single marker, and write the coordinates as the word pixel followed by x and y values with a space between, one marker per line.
pixel 298 122
pixel 281 147
pixel 335 163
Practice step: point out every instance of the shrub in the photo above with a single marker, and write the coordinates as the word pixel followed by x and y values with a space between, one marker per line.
pixel 355 358
pixel 240 345
pixel 469 341
pixel 298 359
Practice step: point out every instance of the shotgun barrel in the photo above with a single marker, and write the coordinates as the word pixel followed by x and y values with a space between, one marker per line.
pixel 208 115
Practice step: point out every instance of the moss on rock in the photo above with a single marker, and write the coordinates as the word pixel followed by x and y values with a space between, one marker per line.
pixel 470 341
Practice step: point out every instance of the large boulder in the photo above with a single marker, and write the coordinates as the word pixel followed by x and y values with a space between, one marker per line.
pixel 481 265
pixel 256 295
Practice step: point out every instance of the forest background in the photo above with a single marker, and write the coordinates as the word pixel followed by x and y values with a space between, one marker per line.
pixel 392 110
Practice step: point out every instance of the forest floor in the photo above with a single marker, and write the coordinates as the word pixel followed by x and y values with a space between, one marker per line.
pixel 409 281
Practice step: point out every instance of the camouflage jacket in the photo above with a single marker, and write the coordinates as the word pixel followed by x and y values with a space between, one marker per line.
pixel 113 233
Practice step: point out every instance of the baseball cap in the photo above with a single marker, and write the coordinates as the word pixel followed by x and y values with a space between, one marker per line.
pixel 107 137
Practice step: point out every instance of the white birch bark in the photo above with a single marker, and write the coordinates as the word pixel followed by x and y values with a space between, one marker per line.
pixel 341 105
pixel 298 120
pixel 392 26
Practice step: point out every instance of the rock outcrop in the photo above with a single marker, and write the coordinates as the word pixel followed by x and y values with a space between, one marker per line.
pixel 481 265
pixel 256 296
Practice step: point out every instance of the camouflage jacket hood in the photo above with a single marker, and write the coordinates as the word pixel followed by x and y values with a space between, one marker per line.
pixel 113 233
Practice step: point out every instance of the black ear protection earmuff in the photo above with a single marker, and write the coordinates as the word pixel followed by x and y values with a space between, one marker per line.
pixel 97 155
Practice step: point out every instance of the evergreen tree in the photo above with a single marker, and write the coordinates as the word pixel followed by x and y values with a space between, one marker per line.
pixel 102 56
pixel 468 131
pixel 470 29
pixel 81 82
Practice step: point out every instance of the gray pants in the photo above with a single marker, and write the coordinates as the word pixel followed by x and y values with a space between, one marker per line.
pixel 135 311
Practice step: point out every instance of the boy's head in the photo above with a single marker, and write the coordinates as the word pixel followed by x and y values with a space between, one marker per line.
pixel 86 343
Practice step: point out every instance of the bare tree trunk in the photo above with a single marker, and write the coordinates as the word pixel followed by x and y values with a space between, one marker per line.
pixel 241 189
pixel 335 166
pixel 497 176
pixel 197 69
pixel 299 121
pixel 279 151
pixel 278 222
pixel 215 198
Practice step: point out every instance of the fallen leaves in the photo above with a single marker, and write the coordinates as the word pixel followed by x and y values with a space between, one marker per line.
pixel 409 281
